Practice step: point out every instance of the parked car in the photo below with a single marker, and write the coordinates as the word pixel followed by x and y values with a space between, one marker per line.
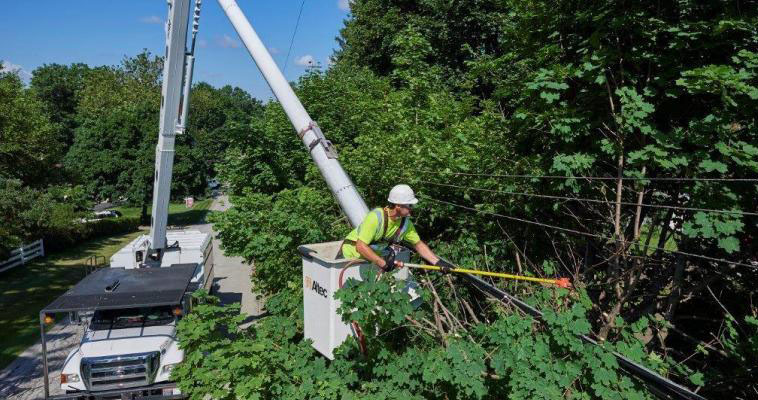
pixel 107 214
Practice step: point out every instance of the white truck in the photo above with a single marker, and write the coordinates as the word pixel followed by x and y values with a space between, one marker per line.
pixel 129 311
pixel 134 345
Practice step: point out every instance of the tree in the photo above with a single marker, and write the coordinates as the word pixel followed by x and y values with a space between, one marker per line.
pixel 58 88
pixel 216 117
pixel 28 142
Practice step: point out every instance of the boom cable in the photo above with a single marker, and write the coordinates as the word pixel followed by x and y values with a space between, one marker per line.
pixel 594 235
pixel 626 203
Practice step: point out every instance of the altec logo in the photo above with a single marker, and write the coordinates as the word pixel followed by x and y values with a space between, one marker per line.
pixel 313 285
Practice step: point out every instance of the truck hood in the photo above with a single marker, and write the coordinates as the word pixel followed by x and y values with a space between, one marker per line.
pixel 112 342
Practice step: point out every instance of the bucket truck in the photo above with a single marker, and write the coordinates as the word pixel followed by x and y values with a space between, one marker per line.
pixel 129 311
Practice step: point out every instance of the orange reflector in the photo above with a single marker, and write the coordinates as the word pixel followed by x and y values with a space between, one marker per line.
pixel 64 378
pixel 49 319
pixel 178 312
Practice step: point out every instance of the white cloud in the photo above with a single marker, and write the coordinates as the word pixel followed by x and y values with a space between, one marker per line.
pixel 151 19
pixel 8 66
pixel 344 5
pixel 202 43
pixel 227 42
pixel 273 50
pixel 306 61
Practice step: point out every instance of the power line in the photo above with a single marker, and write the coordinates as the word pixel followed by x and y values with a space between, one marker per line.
pixel 294 32
pixel 722 260
pixel 598 178
pixel 626 203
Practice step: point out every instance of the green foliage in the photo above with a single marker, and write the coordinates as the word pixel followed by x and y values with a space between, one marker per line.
pixel 268 228
pixel 216 116
pixel 117 111
pixel 375 302
pixel 28 142
pixel 422 89
pixel 58 87
pixel 741 343
pixel 513 357
pixel 114 143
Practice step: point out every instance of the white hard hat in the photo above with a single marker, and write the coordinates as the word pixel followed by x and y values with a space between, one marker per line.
pixel 402 194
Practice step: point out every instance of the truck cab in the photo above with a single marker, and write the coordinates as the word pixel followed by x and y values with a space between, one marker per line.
pixel 147 337
pixel 129 319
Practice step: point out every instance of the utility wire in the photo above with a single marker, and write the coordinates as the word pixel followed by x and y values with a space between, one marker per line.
pixel 600 178
pixel 626 203
pixel 722 260
pixel 286 60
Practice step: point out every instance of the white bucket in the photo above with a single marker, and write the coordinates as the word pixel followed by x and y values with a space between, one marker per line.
pixel 321 273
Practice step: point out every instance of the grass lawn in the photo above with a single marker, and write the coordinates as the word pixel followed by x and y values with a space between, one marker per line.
pixel 25 290
pixel 178 214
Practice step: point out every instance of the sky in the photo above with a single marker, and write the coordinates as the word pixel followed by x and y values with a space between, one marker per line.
pixel 104 32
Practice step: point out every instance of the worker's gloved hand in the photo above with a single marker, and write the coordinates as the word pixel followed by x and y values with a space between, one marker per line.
pixel 445 267
pixel 389 260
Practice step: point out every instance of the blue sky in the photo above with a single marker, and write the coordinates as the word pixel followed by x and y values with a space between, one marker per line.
pixel 103 32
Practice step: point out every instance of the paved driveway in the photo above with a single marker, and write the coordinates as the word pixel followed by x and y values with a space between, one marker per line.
pixel 232 273
pixel 23 379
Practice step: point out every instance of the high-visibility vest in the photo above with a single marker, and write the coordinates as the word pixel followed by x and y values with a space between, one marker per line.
pixel 381 230
pixel 383 217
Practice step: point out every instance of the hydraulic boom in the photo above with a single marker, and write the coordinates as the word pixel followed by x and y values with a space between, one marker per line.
pixel 322 151
pixel 177 80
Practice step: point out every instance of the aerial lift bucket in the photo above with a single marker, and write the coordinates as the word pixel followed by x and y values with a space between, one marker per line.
pixel 321 279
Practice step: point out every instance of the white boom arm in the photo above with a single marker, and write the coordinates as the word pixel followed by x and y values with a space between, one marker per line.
pixel 321 149
pixel 177 80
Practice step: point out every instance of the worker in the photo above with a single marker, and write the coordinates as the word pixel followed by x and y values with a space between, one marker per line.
pixel 388 227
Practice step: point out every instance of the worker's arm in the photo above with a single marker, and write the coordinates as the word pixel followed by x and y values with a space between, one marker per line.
pixel 368 253
pixel 424 251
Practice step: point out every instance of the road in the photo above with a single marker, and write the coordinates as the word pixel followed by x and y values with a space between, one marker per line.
pixel 23 378
pixel 232 273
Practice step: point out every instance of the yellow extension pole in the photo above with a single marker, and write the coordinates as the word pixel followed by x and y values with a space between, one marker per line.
pixel 562 282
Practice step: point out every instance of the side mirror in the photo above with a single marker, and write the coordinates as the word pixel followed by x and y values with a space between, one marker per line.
pixel 139 256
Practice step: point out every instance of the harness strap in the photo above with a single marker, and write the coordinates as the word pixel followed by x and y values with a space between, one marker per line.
pixel 400 231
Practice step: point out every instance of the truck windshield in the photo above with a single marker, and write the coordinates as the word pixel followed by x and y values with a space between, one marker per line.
pixel 132 318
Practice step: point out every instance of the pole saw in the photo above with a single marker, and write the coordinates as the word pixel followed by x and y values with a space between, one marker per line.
pixel 562 282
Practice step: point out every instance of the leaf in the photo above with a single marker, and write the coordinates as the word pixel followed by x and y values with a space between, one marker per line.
pixel 697 379
pixel 550 97
pixel 729 244
pixel 710 166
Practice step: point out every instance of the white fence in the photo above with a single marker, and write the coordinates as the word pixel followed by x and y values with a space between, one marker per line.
pixel 23 254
